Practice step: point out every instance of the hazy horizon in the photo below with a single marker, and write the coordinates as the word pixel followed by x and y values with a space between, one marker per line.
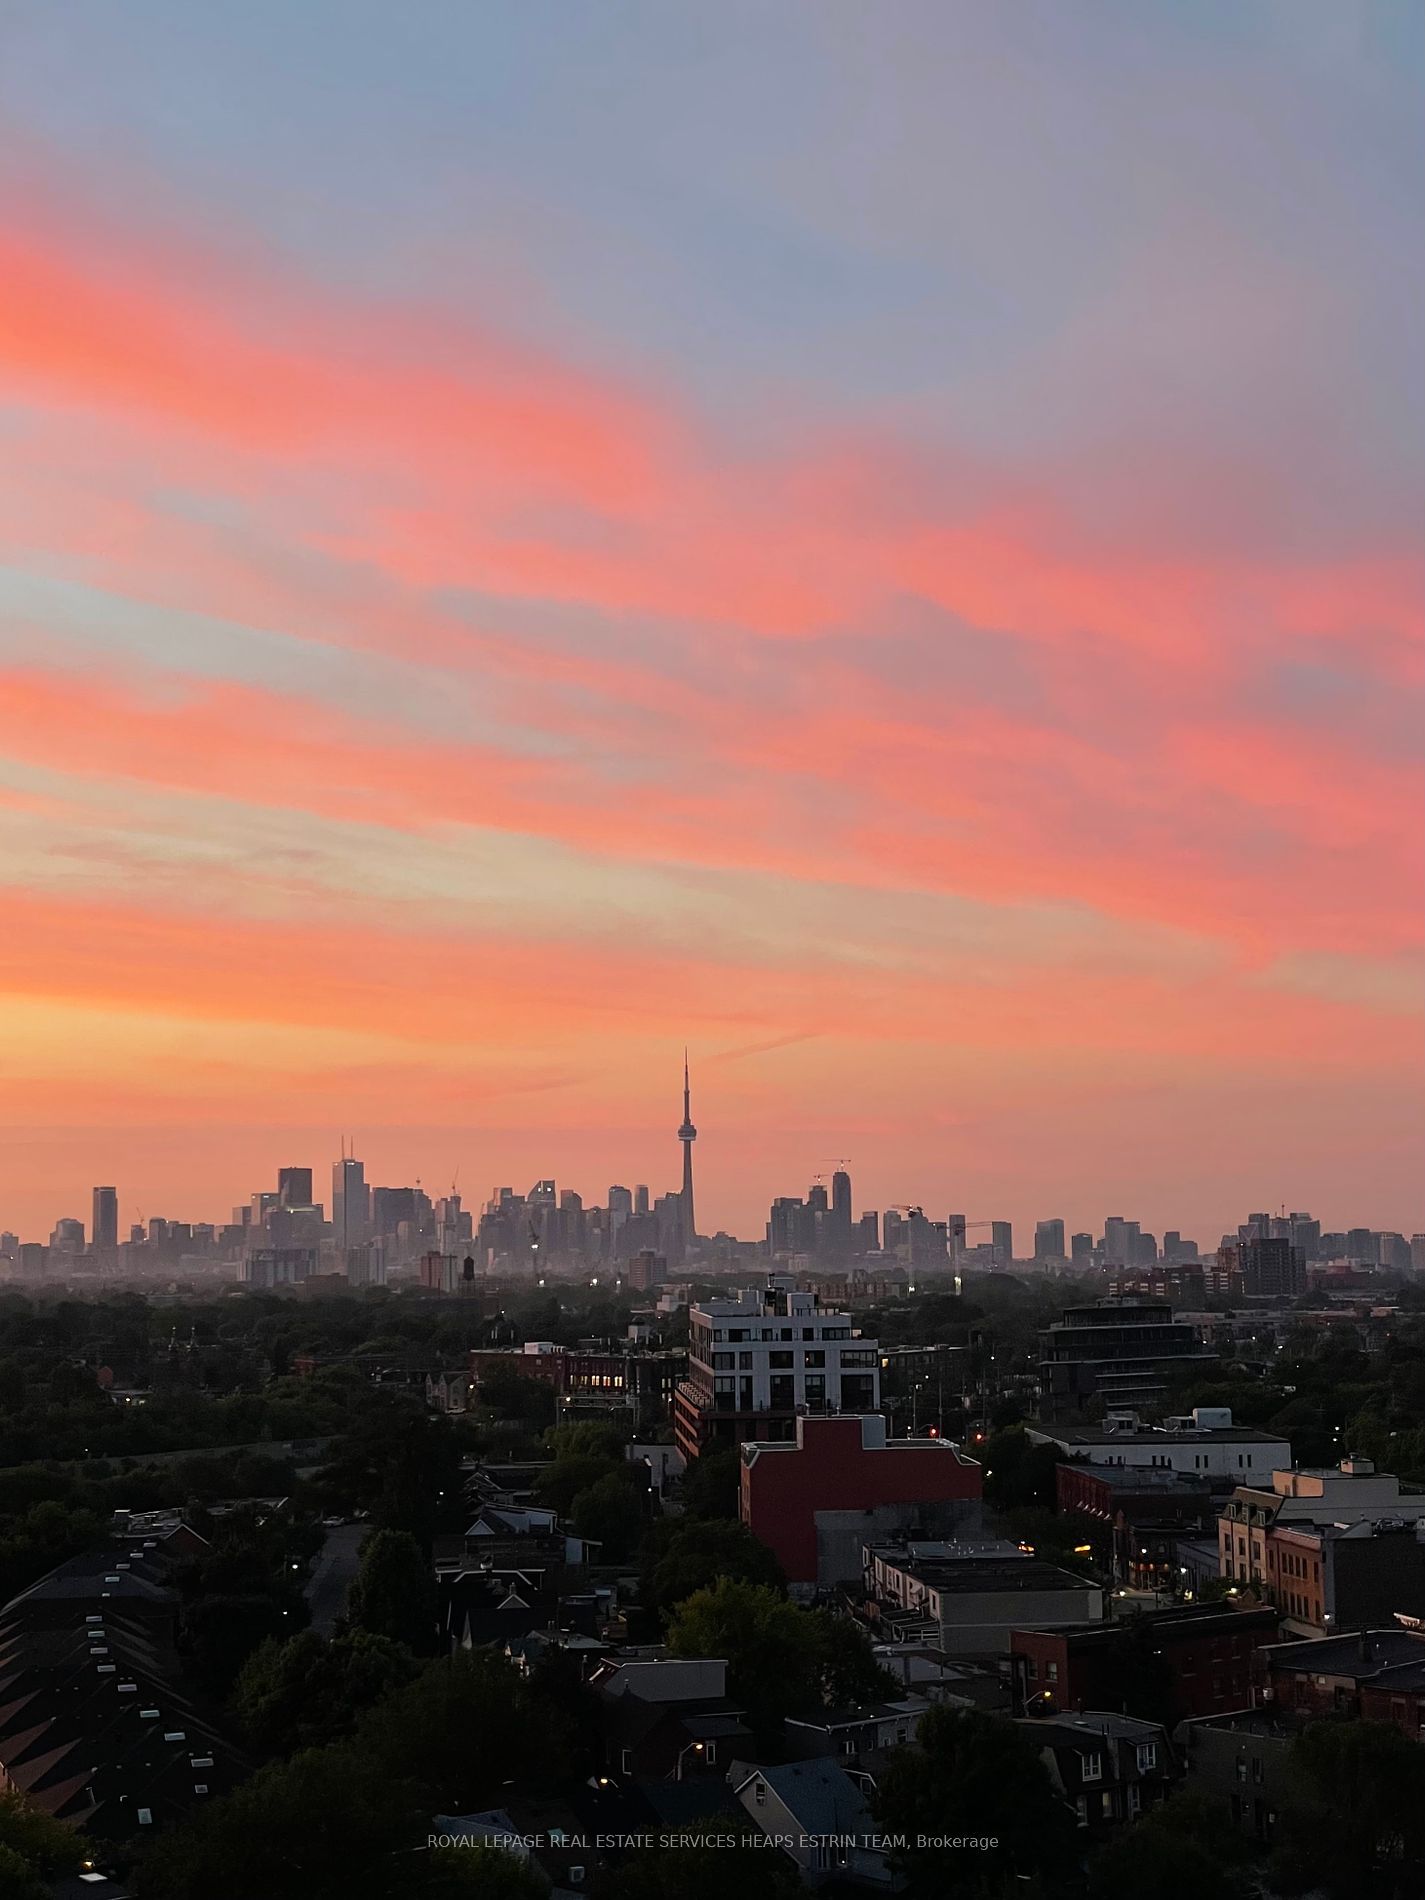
pixel 735 1182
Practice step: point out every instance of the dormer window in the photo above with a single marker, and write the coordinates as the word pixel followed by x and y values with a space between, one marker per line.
pixel 1092 1768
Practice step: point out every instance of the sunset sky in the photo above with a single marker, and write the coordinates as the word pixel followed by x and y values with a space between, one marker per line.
pixel 883 541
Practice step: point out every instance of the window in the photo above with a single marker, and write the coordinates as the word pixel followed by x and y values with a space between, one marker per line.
pixel 1092 1767
pixel 1258 1769
pixel 813 1358
pixel 724 1361
pixel 1051 1672
pixel 1147 1757
pixel 710 1753
pixel 1241 1768
pixel 1081 1808
pixel 759 1794
pixel 780 1361
pixel 145 1817
pixel 625 1761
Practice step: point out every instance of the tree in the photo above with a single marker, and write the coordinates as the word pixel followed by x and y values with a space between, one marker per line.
pixel 517 1395
pixel 558 1487
pixel 696 1552
pixel 1184 1848
pixel 1018 1473
pixel 846 1665
pixel 586 1438
pixel 781 1659
pixel 328 1824
pixel 393 1592
pixel 307 1691
pixel 712 1485
pixel 609 1513
pixel 1354 1823
pixel 978 1776
pixel 462 1731
pixel 221 1632
pixel 34 1849
pixel 19 1880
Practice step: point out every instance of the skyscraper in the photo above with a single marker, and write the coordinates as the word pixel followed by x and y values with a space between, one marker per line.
pixel 841 1211
pixel 351 1205
pixel 1002 1240
pixel 1120 1241
pixel 1049 1240
pixel 687 1134
pixel 105 1226
pixel 294 1187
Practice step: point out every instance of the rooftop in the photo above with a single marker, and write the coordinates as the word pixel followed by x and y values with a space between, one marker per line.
pixel 1271 1724
pixel 1094 1725
pixel 1361 1654
pixel 1192 1619
pixel 1140 1478
pixel 963 1577
pixel 1158 1435
pixel 819 1794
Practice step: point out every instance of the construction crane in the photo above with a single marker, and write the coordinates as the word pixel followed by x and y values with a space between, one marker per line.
pixel 834 1161
pixel 962 1227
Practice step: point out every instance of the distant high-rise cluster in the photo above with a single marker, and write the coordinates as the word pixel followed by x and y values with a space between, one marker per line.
pixel 281 1235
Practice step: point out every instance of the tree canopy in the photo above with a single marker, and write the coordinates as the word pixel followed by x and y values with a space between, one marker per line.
pixel 974 1775
pixel 781 1659
pixel 393 1592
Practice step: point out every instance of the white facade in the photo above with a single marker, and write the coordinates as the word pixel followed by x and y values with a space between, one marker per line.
pixel 1204 1444
pixel 774 1349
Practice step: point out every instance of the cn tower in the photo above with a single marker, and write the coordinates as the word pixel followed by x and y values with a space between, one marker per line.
pixel 687 1134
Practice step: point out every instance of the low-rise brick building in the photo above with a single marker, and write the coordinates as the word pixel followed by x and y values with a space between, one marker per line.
pixel 1334 1676
pixel 1199 1659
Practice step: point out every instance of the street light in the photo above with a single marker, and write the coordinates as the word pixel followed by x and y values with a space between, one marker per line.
pixel 693 1748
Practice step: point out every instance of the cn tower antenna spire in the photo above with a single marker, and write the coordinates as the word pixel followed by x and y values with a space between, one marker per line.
pixel 687 1134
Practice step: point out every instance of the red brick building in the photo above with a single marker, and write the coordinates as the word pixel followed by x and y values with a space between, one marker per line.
pixel 1205 1657
pixel 1398 1696
pixel 1336 1675
pixel 815 1499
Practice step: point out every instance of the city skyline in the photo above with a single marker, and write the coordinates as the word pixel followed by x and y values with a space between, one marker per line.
pixel 350 1174
pixel 918 596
